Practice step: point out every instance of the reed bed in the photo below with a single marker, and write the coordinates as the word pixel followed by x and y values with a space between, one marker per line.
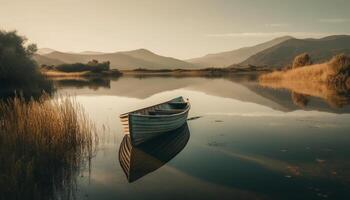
pixel 314 73
pixel 43 145
pixel 329 81
pixel 337 67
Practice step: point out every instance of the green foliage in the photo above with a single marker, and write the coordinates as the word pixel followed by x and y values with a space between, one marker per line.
pixel 31 49
pixel 15 62
pixel 18 71
pixel 92 66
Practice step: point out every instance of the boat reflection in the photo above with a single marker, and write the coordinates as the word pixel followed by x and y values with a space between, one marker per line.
pixel 149 156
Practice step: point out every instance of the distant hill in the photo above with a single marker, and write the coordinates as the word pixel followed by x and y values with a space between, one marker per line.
pixel 42 59
pixel 43 51
pixel 283 54
pixel 225 59
pixel 90 52
pixel 140 58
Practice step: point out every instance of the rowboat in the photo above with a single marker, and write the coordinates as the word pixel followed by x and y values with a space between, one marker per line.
pixel 149 156
pixel 150 122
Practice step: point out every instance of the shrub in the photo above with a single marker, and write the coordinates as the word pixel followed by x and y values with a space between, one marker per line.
pixel 301 60
pixel 92 66
pixel 16 64
pixel 339 64
pixel 18 71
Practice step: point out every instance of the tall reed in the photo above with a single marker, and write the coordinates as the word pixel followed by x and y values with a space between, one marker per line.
pixel 329 81
pixel 43 144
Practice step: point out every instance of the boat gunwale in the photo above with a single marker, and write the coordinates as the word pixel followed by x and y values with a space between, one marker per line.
pixel 163 116
pixel 157 116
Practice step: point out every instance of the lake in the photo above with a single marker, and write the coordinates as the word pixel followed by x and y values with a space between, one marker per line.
pixel 243 141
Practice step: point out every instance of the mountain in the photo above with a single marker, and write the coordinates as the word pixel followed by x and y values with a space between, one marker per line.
pixel 283 54
pixel 42 59
pixel 140 58
pixel 43 51
pixel 91 52
pixel 225 59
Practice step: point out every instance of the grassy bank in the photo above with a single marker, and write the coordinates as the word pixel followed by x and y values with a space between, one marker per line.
pixel 43 144
pixel 329 81
pixel 55 73
pixel 336 70
pixel 90 69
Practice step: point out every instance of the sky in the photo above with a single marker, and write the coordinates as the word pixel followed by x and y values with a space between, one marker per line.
pixel 176 28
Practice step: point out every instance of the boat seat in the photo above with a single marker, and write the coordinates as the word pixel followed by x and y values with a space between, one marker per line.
pixel 165 111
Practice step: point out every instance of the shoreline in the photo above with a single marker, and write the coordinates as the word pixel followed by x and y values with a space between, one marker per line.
pixel 210 72
pixel 83 74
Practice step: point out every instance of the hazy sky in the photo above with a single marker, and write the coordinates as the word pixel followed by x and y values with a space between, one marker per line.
pixel 177 28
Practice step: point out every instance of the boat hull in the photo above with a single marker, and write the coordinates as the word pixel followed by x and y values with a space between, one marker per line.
pixel 143 127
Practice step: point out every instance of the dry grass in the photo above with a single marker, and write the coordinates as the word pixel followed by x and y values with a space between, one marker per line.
pixel 329 81
pixel 337 66
pixel 59 74
pixel 43 144
pixel 315 73
pixel 52 73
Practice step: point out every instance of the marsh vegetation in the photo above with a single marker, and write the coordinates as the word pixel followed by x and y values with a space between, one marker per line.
pixel 329 80
pixel 44 141
pixel 43 145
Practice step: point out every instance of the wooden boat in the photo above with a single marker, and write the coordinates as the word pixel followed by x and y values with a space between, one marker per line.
pixel 139 161
pixel 147 123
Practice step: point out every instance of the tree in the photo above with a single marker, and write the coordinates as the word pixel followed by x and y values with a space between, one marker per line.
pixel 301 60
pixel 17 68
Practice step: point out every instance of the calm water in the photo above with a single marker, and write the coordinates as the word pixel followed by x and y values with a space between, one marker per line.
pixel 249 142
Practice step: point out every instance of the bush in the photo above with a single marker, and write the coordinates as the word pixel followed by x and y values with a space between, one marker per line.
pixel 16 64
pixel 18 71
pixel 301 60
pixel 92 66
pixel 339 64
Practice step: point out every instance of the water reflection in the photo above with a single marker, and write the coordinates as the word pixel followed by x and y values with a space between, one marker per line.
pixel 33 90
pixel 244 87
pixel 91 83
pixel 148 157
pixel 336 96
pixel 300 100
pixel 237 145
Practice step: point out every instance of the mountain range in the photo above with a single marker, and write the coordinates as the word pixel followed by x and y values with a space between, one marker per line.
pixel 227 58
pixel 282 54
pixel 275 53
pixel 140 58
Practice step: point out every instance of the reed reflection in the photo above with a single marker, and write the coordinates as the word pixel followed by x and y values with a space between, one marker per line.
pixel 333 95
